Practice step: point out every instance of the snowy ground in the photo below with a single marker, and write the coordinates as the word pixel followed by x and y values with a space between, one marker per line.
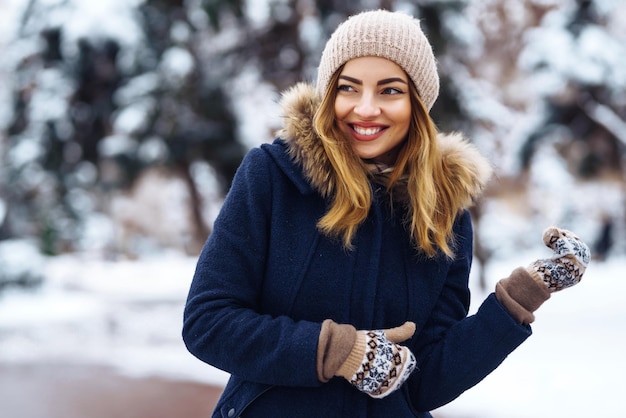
pixel 127 315
pixel 572 366
pixel 124 314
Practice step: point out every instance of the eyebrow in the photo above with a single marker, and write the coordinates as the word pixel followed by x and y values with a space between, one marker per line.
pixel 379 83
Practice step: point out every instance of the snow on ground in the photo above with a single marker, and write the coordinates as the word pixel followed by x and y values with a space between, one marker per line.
pixel 128 315
pixel 572 365
pixel 124 314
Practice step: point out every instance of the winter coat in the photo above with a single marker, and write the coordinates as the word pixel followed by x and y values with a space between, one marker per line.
pixel 267 278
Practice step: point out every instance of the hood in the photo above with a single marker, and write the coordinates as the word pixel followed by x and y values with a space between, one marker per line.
pixel 467 170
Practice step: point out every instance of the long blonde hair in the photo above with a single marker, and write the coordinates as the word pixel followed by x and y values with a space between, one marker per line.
pixel 429 219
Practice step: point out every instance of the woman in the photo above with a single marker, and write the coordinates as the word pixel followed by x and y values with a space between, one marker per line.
pixel 335 282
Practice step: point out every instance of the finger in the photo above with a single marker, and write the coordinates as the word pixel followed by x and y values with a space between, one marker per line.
pixel 401 333
pixel 570 246
pixel 578 252
pixel 563 242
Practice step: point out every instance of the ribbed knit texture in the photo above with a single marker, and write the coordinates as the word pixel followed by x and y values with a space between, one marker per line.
pixel 522 295
pixel 336 344
pixel 392 35
pixel 354 359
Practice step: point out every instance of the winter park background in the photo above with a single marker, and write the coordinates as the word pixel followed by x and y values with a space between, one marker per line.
pixel 122 122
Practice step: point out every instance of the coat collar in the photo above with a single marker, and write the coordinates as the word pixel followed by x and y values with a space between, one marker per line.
pixel 468 171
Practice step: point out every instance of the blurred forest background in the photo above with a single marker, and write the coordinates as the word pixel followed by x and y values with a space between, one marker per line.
pixel 122 124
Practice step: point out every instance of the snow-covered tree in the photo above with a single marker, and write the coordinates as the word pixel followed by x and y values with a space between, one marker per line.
pixel 105 96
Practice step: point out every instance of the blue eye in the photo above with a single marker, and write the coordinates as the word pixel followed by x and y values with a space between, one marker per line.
pixel 345 87
pixel 392 90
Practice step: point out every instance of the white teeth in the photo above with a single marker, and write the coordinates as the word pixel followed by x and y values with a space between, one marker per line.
pixel 366 131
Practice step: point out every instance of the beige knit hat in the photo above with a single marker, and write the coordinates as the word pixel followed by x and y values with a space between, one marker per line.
pixel 380 33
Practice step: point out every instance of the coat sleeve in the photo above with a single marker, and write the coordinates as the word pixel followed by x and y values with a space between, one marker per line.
pixel 456 351
pixel 223 325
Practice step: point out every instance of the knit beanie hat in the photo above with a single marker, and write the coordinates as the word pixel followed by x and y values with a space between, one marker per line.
pixel 380 33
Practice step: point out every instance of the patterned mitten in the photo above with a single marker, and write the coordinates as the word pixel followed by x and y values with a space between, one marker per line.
pixel 526 289
pixel 568 263
pixel 377 365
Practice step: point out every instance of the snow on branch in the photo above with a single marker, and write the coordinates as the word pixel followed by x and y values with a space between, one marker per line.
pixel 606 117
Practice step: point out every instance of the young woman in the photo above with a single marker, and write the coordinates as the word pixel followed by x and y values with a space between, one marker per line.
pixel 335 282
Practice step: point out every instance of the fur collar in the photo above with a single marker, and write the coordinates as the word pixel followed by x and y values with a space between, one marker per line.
pixel 468 170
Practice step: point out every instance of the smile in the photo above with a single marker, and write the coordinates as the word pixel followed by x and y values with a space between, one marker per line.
pixel 366 131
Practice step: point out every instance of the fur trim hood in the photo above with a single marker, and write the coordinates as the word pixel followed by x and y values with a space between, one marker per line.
pixel 468 171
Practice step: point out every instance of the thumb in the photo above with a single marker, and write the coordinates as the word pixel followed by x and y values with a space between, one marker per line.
pixel 401 333
pixel 551 236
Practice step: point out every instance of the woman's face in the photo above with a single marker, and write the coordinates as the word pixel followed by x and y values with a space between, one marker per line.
pixel 373 107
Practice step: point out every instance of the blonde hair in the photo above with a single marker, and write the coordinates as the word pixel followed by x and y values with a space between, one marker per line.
pixel 429 219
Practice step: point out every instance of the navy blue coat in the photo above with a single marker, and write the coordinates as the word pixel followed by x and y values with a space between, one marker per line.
pixel 267 279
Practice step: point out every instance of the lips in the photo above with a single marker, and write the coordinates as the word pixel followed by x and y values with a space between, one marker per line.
pixel 367 133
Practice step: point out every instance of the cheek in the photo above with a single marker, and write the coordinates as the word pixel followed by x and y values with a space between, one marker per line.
pixel 342 108
pixel 403 116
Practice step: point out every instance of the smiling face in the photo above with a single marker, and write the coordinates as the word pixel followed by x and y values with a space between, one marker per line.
pixel 373 107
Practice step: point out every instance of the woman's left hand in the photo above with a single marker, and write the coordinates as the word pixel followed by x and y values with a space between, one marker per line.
pixel 568 263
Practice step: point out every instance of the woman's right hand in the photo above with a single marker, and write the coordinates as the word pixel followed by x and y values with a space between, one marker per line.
pixel 377 364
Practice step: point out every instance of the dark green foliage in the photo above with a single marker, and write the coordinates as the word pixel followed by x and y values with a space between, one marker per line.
pixel 193 117
pixel 215 9
pixel 569 117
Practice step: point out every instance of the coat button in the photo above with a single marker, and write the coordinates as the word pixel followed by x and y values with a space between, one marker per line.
pixel 231 413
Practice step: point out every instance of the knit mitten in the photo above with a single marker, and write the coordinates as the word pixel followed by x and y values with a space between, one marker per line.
pixel 370 360
pixel 525 290
pixel 568 263
pixel 377 365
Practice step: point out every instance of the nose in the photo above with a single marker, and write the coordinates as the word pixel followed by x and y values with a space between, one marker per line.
pixel 367 107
